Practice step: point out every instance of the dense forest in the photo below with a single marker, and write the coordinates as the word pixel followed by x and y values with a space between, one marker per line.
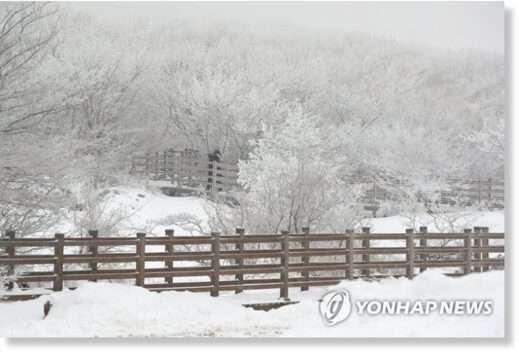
pixel 298 109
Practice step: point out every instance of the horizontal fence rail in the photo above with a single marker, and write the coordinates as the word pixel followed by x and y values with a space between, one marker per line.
pixel 241 262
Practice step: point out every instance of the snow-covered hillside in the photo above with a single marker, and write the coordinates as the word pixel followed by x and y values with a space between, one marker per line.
pixel 110 310
pixel 147 209
pixel 144 209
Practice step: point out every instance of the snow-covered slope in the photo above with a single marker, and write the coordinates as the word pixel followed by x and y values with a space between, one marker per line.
pixel 100 309
pixel 147 209
pixel 142 209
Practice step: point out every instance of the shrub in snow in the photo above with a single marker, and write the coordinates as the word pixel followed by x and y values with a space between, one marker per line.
pixel 8 278
pixel 293 179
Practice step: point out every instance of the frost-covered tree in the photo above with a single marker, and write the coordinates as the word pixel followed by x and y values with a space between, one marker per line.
pixel 211 95
pixel 80 96
pixel 68 112
pixel 293 178
pixel 27 36
pixel 30 95
pixel 490 140
pixel 102 115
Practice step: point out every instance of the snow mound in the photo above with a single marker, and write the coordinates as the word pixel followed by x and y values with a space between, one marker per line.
pixel 430 285
pixel 113 310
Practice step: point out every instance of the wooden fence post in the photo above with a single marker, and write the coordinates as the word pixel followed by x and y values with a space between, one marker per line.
pixel 365 257
pixel 477 253
pixel 94 251
pixel 156 169
pixel 306 259
pixel 179 170
pixel 141 261
pixel 165 164
pixel 240 261
pixel 58 265
pixel 215 264
pixel 410 253
pixel 350 245
pixel 170 233
pixel 468 251
pixel 147 165
pixel 214 174
pixel 485 243
pixel 285 258
pixel 423 244
pixel 479 191
pixel 172 165
pixel 11 252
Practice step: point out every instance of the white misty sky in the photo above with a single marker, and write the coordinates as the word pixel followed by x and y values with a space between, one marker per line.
pixel 452 25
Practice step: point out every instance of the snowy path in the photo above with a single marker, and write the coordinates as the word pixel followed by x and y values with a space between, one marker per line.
pixel 112 310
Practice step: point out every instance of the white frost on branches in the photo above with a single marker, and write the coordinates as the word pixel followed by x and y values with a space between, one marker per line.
pixel 293 178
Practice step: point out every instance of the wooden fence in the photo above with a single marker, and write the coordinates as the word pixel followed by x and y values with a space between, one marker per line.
pixel 244 262
pixel 187 170
pixel 489 191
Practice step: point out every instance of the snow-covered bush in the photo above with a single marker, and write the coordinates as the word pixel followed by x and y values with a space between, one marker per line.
pixel 293 179
pixel 7 277
pixel 95 209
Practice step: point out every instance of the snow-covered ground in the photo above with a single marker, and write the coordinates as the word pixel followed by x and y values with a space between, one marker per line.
pixel 143 209
pixel 111 310
pixel 103 309
pixel 148 209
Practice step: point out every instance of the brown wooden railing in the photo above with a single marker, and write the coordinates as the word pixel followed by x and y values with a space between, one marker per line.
pixel 488 192
pixel 187 170
pixel 245 262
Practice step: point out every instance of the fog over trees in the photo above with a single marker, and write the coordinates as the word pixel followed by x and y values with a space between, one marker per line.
pixel 299 110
